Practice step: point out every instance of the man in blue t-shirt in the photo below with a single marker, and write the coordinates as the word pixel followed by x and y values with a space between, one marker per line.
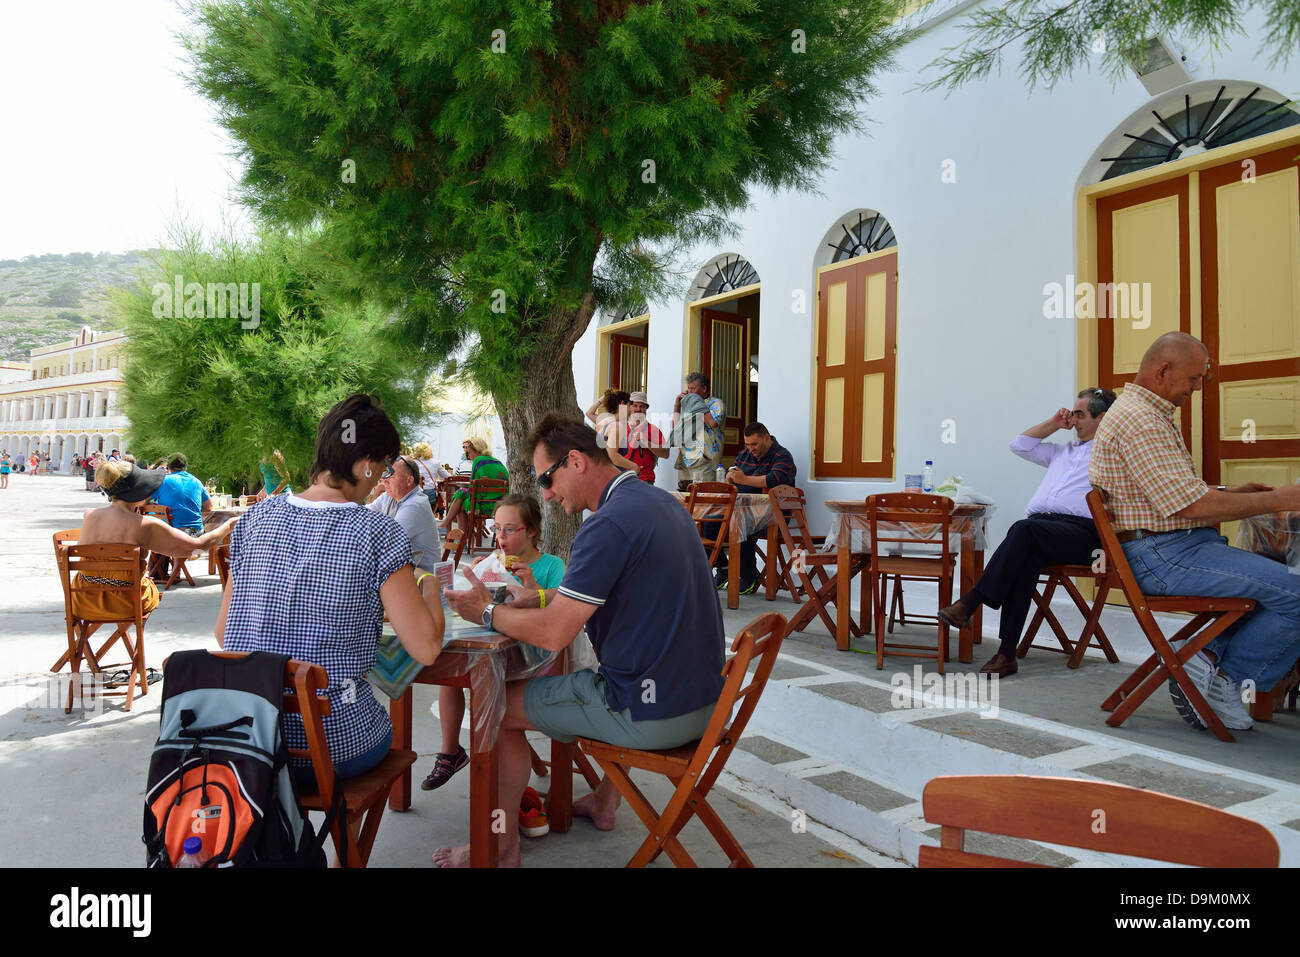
pixel 639 581
pixel 186 497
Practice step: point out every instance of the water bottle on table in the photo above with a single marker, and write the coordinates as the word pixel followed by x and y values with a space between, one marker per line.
pixel 721 474
pixel 927 478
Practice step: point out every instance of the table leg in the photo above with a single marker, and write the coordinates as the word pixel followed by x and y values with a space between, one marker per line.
pixel 559 799
pixel 399 712
pixel 733 568
pixel 769 570
pixel 484 781
pixel 843 611
pixel 972 566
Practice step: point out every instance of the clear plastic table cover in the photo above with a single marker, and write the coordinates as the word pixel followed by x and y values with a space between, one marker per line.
pixel 750 515
pixel 850 527
pixel 1276 535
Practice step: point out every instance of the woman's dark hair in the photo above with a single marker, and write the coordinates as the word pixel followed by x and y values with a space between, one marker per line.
pixel 1099 400
pixel 355 429
pixel 529 511
pixel 614 399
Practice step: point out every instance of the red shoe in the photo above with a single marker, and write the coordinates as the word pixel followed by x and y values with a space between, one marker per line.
pixel 532 815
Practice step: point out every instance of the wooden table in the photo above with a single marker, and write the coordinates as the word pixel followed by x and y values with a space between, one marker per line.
pixel 849 520
pixel 752 513
pixel 481 660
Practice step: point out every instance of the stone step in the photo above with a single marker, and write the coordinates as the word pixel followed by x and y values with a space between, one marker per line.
pixel 853 752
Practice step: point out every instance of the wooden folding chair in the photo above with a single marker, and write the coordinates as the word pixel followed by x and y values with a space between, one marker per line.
pixel 1064 575
pixel 221 558
pixel 213 569
pixel 483 491
pixel 365 795
pixel 178 569
pixel 689 767
pixel 110 562
pixel 453 543
pixel 813 569
pixel 900 512
pixel 1097 816
pixel 788 509
pixel 1211 617
pixel 710 502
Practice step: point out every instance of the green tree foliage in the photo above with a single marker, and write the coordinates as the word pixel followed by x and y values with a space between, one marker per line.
pixel 64 294
pixel 497 170
pixel 226 390
pixel 1058 38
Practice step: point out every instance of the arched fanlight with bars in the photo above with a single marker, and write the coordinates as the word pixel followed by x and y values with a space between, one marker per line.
pixel 733 272
pixel 870 234
pixel 1199 127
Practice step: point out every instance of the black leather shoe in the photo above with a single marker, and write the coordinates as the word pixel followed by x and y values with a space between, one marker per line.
pixel 1001 665
pixel 955 616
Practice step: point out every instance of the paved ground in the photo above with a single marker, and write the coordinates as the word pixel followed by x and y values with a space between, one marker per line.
pixel 62 768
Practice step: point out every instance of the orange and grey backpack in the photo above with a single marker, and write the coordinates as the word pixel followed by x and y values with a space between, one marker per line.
pixel 220 768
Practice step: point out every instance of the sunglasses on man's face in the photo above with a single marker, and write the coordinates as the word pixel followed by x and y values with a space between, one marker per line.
pixel 544 480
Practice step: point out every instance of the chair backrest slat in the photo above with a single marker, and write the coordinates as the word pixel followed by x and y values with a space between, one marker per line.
pixel 928 515
pixel 1096 815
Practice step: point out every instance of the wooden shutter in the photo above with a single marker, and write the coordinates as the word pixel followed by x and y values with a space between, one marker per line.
pixel 856 368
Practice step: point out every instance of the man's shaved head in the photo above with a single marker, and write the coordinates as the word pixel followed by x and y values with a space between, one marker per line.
pixel 1173 348
pixel 1174 367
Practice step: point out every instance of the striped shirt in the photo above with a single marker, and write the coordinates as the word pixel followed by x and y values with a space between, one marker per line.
pixel 777 464
pixel 1138 456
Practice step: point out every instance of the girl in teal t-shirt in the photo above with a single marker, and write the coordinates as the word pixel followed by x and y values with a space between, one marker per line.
pixel 518 527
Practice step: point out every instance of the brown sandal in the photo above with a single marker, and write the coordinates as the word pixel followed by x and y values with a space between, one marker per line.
pixel 444 766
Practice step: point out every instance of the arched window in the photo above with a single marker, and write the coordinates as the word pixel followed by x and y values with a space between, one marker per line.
pixel 1213 114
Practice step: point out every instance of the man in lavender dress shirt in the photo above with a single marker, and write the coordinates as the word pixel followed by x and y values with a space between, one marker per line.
pixel 1058 531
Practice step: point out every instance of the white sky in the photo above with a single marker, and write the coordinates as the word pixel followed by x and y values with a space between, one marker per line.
pixel 102 143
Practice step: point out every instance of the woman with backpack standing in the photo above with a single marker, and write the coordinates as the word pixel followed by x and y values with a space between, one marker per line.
pixel 312 574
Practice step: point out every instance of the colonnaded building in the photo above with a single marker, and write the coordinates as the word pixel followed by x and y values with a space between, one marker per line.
pixel 65 400
pixel 977 259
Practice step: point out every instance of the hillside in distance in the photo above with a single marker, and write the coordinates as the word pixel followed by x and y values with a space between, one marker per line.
pixel 47 299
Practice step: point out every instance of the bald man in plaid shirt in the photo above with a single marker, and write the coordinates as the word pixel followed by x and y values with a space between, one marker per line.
pixel 1164 514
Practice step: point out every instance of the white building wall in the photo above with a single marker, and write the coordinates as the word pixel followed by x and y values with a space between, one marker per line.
pixel 974 255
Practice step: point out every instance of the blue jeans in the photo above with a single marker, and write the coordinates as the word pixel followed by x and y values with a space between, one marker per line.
pixel 359 764
pixel 1264 644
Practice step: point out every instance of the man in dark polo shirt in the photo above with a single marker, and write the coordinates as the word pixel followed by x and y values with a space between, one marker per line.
pixel 763 464
pixel 639 581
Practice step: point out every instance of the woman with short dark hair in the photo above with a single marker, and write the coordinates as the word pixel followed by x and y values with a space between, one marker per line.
pixel 312 574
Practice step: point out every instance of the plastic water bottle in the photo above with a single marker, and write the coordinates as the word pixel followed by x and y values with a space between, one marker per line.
pixel 721 474
pixel 194 855
pixel 927 478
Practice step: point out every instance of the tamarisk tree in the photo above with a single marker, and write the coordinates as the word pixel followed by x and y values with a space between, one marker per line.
pixel 496 171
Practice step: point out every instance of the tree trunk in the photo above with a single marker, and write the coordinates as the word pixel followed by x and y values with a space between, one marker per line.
pixel 546 385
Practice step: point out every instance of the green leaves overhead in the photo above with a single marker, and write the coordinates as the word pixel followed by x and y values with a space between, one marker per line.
pixel 227 388
pixel 1057 39
pixel 499 148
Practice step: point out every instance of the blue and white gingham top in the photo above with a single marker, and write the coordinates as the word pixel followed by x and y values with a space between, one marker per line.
pixel 305 579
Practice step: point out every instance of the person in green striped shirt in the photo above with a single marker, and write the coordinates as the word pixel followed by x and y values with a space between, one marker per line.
pixel 484 467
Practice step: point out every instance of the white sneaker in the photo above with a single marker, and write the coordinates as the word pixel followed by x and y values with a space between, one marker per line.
pixel 1202 671
pixel 1226 700
pixel 1221 693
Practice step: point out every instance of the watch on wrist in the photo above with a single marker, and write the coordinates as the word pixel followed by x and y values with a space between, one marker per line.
pixel 1221 488
pixel 487 616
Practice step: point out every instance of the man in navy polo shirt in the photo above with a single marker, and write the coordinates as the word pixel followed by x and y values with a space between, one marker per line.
pixel 639 581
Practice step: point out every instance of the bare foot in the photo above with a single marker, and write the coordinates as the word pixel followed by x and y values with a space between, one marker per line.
pixel 601 815
pixel 459 856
